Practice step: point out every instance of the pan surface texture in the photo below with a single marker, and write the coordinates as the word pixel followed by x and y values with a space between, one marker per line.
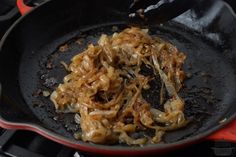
pixel 33 48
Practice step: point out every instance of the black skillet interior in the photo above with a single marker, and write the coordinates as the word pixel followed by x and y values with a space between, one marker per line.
pixel 31 55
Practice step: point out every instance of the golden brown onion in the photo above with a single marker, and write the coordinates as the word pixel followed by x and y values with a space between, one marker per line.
pixel 104 88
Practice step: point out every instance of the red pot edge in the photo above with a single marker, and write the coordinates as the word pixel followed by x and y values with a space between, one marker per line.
pixel 24 9
pixel 9 125
pixel 228 133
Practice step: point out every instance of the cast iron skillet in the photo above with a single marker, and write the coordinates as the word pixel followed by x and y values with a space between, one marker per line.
pixel 30 63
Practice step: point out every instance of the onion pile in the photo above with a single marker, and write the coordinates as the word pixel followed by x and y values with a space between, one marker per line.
pixel 104 88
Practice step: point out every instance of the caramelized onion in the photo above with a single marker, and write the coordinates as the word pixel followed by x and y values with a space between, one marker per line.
pixel 104 88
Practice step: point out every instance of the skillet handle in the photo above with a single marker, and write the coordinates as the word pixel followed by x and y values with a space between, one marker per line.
pixel 228 133
pixel 22 7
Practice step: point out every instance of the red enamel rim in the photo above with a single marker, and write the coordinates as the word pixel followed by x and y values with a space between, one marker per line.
pixel 58 139
pixel 22 7
pixel 9 125
pixel 227 133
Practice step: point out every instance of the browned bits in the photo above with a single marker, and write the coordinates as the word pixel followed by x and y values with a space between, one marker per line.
pixel 64 48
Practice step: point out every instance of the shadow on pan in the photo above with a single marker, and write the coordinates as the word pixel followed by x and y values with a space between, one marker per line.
pixel 30 62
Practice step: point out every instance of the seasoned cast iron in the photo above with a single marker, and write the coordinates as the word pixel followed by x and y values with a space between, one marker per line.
pixel 30 63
